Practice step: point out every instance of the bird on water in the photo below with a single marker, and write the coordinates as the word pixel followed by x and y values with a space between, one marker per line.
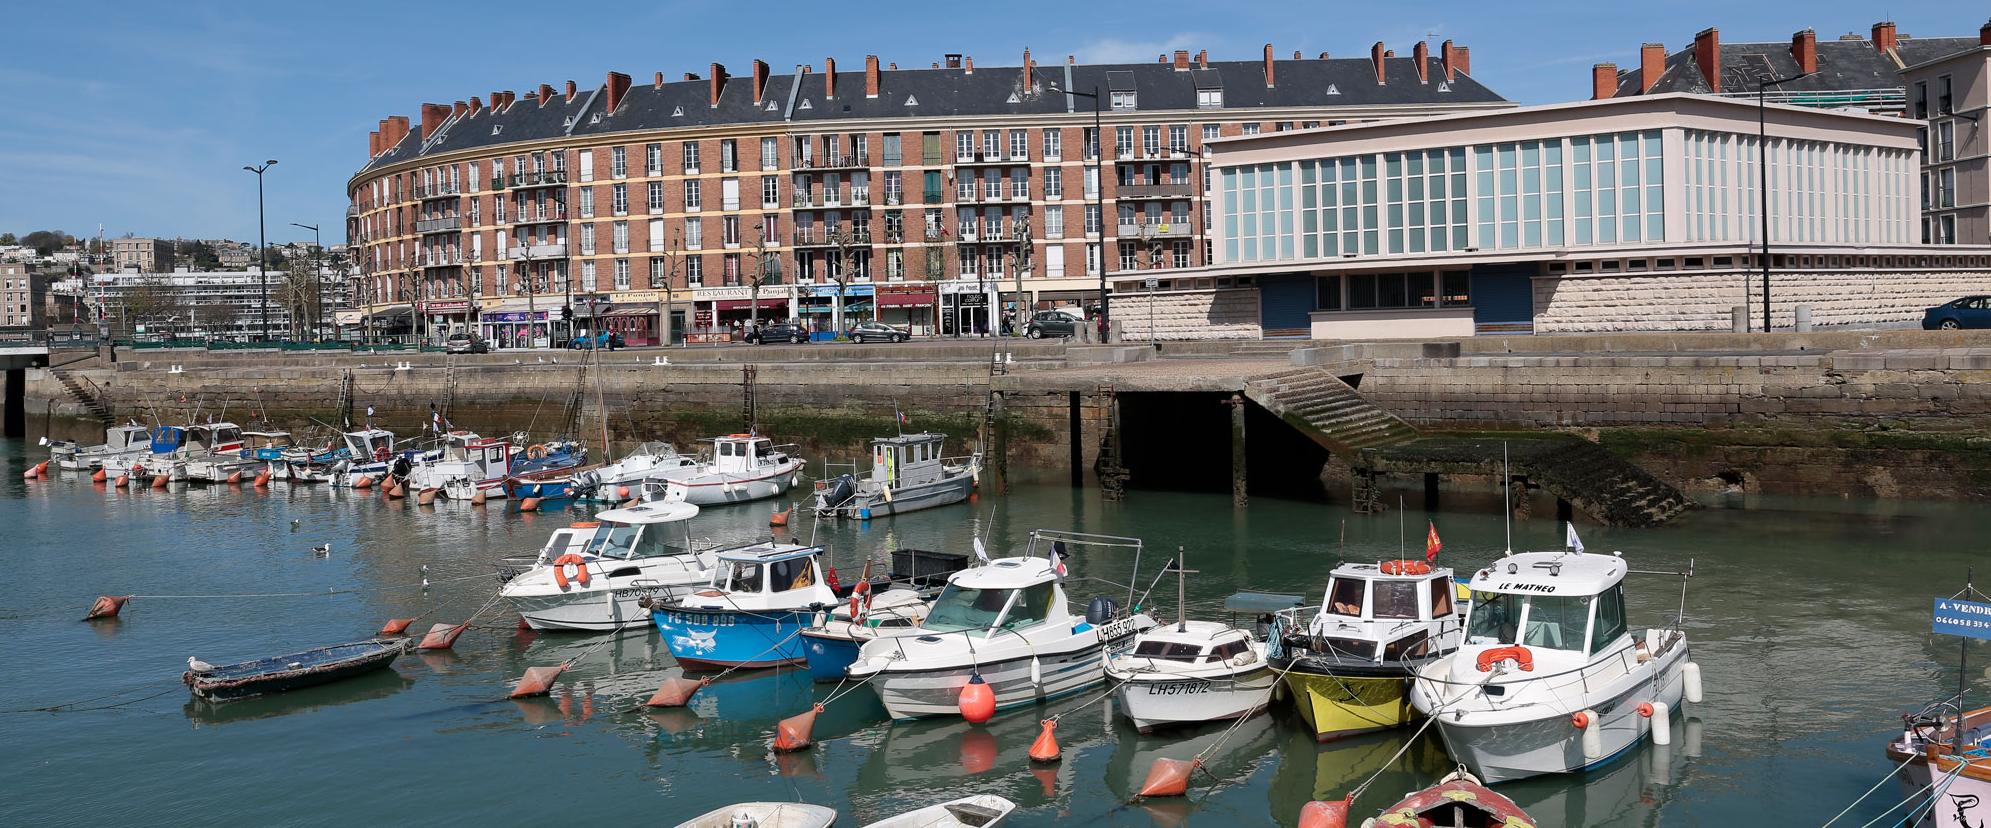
pixel 198 665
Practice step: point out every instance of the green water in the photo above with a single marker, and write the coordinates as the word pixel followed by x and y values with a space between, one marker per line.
pixel 1810 621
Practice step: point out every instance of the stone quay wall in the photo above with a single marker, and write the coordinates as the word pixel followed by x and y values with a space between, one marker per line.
pixel 1703 300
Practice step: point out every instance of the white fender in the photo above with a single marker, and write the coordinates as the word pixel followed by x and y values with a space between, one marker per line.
pixel 1690 675
pixel 1662 724
pixel 1593 735
pixel 1036 673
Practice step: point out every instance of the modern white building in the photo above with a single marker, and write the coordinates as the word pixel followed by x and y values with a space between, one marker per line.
pixel 203 304
pixel 1641 213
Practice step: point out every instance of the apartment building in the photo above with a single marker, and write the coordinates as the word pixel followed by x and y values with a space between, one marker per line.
pixel 940 198
pixel 141 255
pixel 23 296
pixel 1950 95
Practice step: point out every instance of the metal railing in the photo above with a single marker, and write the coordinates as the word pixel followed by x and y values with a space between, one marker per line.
pixel 439 225
pixel 1166 190
pixel 539 178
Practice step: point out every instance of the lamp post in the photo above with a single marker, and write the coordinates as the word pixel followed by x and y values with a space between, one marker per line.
pixel 1098 191
pixel 262 244
pixel 317 290
pixel 1763 188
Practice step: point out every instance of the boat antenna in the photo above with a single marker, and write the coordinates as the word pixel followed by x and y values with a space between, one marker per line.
pixel 1182 595
pixel 1399 528
pixel 1506 497
pixel 1963 656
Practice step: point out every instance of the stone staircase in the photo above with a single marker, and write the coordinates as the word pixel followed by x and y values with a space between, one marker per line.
pixel 99 410
pixel 1606 487
pixel 1325 409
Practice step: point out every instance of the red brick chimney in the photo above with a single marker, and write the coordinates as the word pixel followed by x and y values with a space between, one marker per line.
pixel 458 110
pixel 1323 56
pixel 1029 69
pixel 1270 81
pixel 871 76
pixel 1884 38
pixel 617 89
pixel 1422 54
pixel 1376 55
pixel 953 60
pixel 1804 50
pixel 571 89
pixel 829 78
pixel 1448 59
pixel 545 93
pixel 399 124
pixel 717 82
pixel 433 114
pixel 1603 81
pixel 476 106
pixel 1463 56
pixel 1202 58
pixel 1707 55
pixel 1651 64
pixel 1984 34
pixel 373 144
pixel 659 84
pixel 760 82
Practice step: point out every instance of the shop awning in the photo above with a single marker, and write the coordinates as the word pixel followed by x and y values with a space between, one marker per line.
pixel 743 304
pixel 900 300
pixel 391 314
pixel 632 312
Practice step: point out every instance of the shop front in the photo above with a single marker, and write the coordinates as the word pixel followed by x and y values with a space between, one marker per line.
pixel 512 325
pixel 392 323
pixel 442 317
pixel 964 308
pixel 722 314
pixel 910 307
pixel 819 305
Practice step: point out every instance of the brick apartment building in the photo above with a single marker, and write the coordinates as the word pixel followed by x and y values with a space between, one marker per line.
pixel 133 255
pixel 23 296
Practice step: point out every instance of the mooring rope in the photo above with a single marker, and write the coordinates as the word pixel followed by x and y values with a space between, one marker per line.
pixel 1863 797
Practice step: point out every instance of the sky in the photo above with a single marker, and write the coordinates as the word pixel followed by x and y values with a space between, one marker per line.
pixel 138 116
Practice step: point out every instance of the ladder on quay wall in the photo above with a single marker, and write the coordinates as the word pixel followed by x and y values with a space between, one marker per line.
pixel 1112 475
pixel 749 405
pixel 448 384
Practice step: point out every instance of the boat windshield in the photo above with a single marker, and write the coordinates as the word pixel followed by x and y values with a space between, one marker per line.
pixel 1554 622
pixel 1396 599
pixel 964 608
pixel 631 542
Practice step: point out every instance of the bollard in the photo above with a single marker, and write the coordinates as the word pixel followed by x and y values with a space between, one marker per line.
pixel 1738 319
pixel 1804 319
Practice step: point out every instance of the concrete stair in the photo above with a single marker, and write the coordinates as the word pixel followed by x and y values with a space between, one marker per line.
pixel 1327 410
pixel 1606 487
pixel 91 402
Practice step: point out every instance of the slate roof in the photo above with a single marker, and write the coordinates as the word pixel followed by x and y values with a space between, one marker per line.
pixel 1843 66
pixel 936 93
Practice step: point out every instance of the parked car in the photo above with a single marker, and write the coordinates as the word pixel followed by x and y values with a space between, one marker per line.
pixel 608 339
pixel 1052 323
pixel 778 332
pixel 465 343
pixel 1968 312
pixel 868 331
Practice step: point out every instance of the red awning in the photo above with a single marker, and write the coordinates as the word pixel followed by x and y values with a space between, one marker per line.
pixel 743 304
pixel 900 300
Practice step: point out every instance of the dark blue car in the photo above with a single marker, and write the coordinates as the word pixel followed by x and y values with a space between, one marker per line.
pixel 1968 312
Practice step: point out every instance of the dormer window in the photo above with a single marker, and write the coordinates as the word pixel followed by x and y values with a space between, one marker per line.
pixel 1124 100
pixel 1209 99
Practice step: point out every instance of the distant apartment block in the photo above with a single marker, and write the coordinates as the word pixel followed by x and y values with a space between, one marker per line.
pixel 141 255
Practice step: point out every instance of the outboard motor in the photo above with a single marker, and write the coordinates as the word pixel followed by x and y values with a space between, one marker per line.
pixel 841 491
pixel 1101 610
pixel 585 481
pixel 401 466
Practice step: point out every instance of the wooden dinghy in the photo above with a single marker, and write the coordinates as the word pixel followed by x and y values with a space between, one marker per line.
pixel 764 815
pixel 977 811
pixel 277 674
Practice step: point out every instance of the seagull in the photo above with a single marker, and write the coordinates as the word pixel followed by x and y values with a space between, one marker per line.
pixel 425 570
pixel 322 550
pixel 294 523
pixel 199 666
pixel 425 583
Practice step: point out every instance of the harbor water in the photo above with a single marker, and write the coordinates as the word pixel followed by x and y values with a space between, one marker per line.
pixel 1810 620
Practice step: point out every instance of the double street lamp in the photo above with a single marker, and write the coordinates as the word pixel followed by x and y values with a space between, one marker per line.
pixel 262 242
pixel 1763 189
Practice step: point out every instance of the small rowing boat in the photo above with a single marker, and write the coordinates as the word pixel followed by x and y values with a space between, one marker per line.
pixel 294 671
pixel 764 815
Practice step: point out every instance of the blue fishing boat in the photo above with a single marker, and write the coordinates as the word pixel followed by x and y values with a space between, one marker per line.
pixel 551 455
pixel 290 672
pixel 752 612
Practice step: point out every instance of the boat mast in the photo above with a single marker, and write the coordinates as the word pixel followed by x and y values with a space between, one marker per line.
pixel 1506 496
pixel 1181 594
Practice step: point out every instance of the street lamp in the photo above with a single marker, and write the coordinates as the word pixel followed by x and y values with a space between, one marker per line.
pixel 262 243
pixel 317 290
pixel 1763 189
pixel 1098 189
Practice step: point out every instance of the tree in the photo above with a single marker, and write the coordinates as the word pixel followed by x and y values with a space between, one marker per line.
pixel 8 239
pixel 150 303
pixel 47 241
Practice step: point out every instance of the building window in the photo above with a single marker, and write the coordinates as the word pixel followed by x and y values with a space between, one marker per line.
pixel 1151 139
pixel 1019 145
pixel 1090 136
pixel 691 199
pixel 653 159
pixel 618 162
pixel 892 150
pixel 694 271
pixel 964 145
pixel 1943 146
pixel 1944 100
pixel 690 149
pixel 770 153
pixel 1251 129
pixel 770 192
pixel 1212 131
pixel 619 195
pixel 657 274
pixel 1054 223
pixel 1053 144
pixel 1945 189
pixel 1209 99
pixel 621 274
pixel 656 200
pixel 991 144
pixel 1054 183
pixel 728 155
pixel 1092 219
pixel 1123 142
pixel 587 205
pixel 622 237
pixel 729 230
pixel 1124 100
pixel 1178 138
pixel 587 240
pixel 694 234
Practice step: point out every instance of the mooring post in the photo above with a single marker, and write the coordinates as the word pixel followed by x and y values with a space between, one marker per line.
pixel 1075 429
pixel 999 425
pixel 1239 479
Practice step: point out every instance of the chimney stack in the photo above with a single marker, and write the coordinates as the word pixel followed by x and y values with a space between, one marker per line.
pixel 617 89
pixel 1162 58
pixel 1884 38
pixel 829 78
pixel 1297 55
pixel 895 66
pixel 476 105
pixel 1984 34
pixel 433 115
pixel 1448 60
pixel 373 144
pixel 1270 81
pixel 458 110
pixel 1463 56
pixel 953 60
pixel 1804 50
pixel 717 83
pixel 1182 60
pixel 1376 55
pixel 1651 64
pixel 545 93
pixel 1202 58
pixel 571 89
pixel 399 126
pixel 1603 81
pixel 659 84
pixel 1707 55
pixel 1323 56
pixel 760 82
pixel 1422 54
pixel 1029 70
pixel 968 64
pixel 871 76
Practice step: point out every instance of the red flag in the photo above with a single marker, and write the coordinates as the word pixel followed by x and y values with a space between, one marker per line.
pixel 1432 544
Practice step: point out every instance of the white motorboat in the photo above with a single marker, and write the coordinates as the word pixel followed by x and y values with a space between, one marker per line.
pixel 1008 624
pixel 764 815
pixel 1348 662
pixel 203 449
pixel 603 574
pixel 742 467
pixel 623 479
pixel 974 811
pixel 163 449
pixel 1191 672
pixel 467 464
pixel 907 473
pixel 752 612
pixel 255 449
pixel 1549 678
pixel 123 441
pixel 369 457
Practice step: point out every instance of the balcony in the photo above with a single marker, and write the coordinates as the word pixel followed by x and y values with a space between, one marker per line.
pixel 352 210
pixel 542 178
pixel 543 214
pixel 1133 191
pixel 443 258
pixel 820 237
pixel 984 159
pixel 426 192
pixel 834 162
pixel 445 224
pixel 892 199
pixel 1157 230
pixel 831 199
pixel 536 252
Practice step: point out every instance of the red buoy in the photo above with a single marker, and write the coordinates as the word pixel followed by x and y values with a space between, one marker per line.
pixel 1318 814
pixel 478 498
pixel 427 497
pixel 363 482
pixel 1169 777
pixel 1045 749
pixel 262 478
pixel 792 733
pixel 99 476
pixel 530 504
pixel 622 492
pixel 780 518
pixel 123 480
pixel 442 636
pixel 676 692
pixel 396 626
pixel 159 481
pixel 537 681
pixel 107 606
pixel 978 700
pixel 235 478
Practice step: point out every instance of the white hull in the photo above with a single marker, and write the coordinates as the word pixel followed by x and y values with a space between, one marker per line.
pixel 944 492
pixel 1160 701
pixel 1506 750
pixel 590 610
pixel 216 470
pixel 711 488
pixel 921 693
pixel 605 603
pixel 1964 802
pixel 92 458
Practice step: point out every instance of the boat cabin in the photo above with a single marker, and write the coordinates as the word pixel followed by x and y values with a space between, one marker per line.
pixel 267 445
pixel 373 444
pixel 1385 611
pixel 741 452
pixel 1568 601
pixel 765 575
pixel 1193 642
pixel 119 439
pixel 491 457
pixel 1004 594
pixel 168 439
pixel 216 438
pixel 907 460
pixel 639 532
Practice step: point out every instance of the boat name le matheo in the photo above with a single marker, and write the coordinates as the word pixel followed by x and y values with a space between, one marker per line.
pixel 1514 586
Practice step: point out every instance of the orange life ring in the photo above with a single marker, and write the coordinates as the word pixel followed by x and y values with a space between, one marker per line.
pixel 535 451
pixel 381 453
pixel 560 569
pixel 584 524
pixel 1517 654
pixel 1405 567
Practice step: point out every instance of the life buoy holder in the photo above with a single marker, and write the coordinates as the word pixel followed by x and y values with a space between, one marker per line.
pixel 580 565
pixel 535 451
pixel 1521 656
pixel 1406 567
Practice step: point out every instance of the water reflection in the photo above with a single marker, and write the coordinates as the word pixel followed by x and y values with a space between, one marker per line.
pixel 373 686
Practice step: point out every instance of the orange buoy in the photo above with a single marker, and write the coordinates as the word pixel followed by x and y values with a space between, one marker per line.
pixel 262 478
pixel 395 491
pixel 441 636
pixel 1319 814
pixel 123 480
pixel 676 692
pixel 792 733
pixel 107 606
pixel 427 497
pixel 779 518
pixel 396 626
pixel 978 700
pixel 1045 749
pixel 137 470
pixel 530 504
pixel 1169 777
pixel 235 478
pixel 99 476
pixel 978 750
pixel 1579 720
pixel 159 481
pixel 41 469
pixel 30 474
pixel 363 482
pixel 622 492
pixel 537 681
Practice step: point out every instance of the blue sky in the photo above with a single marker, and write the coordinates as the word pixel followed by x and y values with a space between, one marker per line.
pixel 139 116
